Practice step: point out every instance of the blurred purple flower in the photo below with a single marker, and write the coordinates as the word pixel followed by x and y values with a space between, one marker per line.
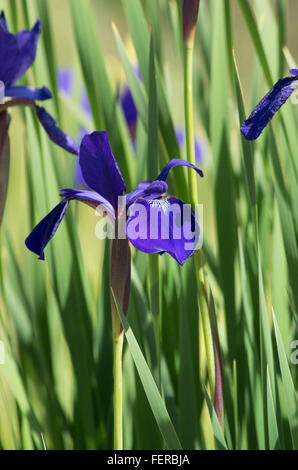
pixel 199 147
pixel 268 106
pixel 103 176
pixel 17 54
pixel 65 80
pixel 129 108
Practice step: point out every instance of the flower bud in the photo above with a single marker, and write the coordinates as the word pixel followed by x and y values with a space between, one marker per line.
pixel 190 10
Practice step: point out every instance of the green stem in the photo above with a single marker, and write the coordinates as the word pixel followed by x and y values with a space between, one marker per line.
pixel 190 138
pixel 117 363
pixel 189 116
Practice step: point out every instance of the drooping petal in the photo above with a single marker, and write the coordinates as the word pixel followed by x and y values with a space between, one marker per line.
pixel 147 190
pixel 268 106
pixel 46 229
pixel 91 198
pixel 27 43
pixel 3 22
pixel 163 225
pixel 99 167
pixel 65 80
pixel 177 162
pixel 10 57
pixel 56 134
pixel 38 94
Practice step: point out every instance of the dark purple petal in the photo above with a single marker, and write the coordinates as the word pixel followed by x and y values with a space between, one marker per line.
pixel 268 106
pixel 163 225
pixel 177 162
pixel 65 80
pixel 27 43
pixel 46 229
pixel 147 190
pixel 294 72
pixel 10 57
pixel 38 94
pixel 56 134
pixel 3 23
pixel 99 167
pixel 91 198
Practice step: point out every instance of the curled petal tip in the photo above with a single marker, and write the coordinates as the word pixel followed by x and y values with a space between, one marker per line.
pixel 294 72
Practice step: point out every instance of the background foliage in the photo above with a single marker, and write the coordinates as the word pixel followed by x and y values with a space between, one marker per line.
pixel 56 383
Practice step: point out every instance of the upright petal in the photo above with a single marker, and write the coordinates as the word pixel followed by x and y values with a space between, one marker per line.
pixel 27 43
pixel 38 94
pixel 56 135
pixel 163 225
pixel 99 167
pixel 46 229
pixel 9 56
pixel 268 106
pixel 3 23
pixel 177 162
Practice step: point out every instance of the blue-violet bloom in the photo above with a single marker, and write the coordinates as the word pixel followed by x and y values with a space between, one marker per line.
pixel 268 106
pixel 102 174
pixel 17 54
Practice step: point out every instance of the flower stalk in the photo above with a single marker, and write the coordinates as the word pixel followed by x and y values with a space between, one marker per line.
pixel 120 284
pixel 190 10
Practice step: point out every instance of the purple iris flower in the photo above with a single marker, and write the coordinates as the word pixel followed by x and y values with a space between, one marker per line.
pixel 268 106
pixel 103 176
pixel 17 54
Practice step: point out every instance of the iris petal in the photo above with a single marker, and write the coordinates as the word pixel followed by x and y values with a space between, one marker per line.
pixel 177 162
pixel 91 198
pixel 268 106
pixel 3 23
pixel 39 94
pixel 56 134
pixel 161 226
pixel 99 167
pixel 10 57
pixel 27 43
pixel 46 229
